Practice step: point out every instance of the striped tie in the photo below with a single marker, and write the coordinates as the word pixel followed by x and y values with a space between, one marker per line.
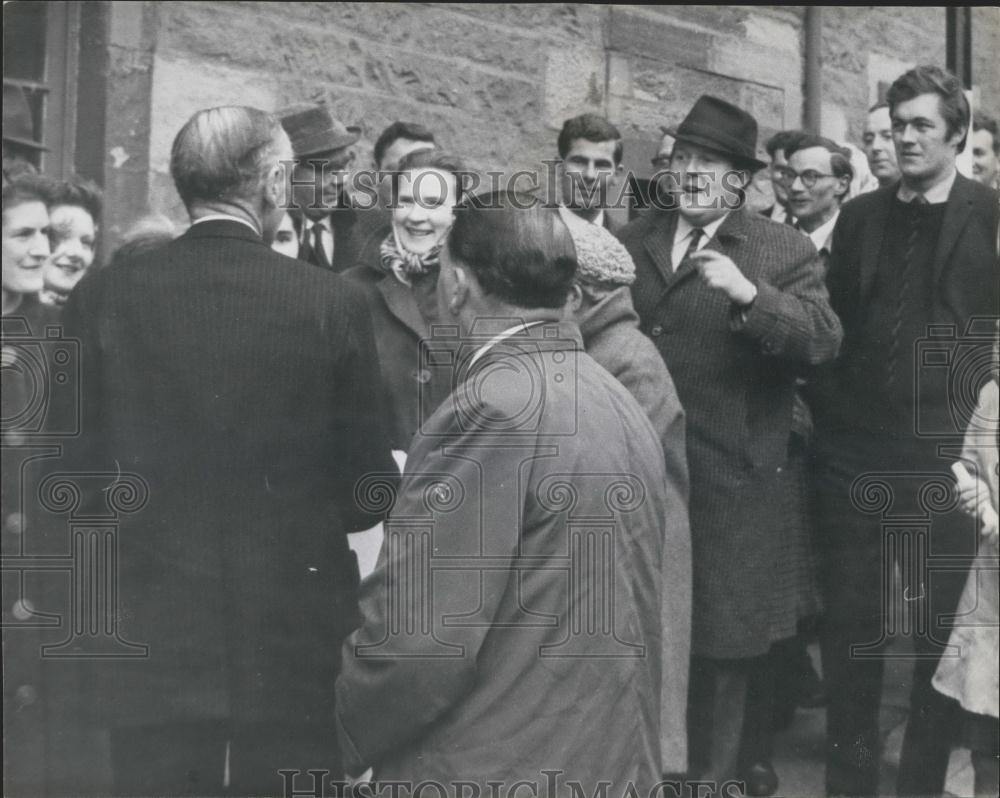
pixel 904 299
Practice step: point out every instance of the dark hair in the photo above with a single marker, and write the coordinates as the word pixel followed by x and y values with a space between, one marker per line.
pixel 877 106
pixel 840 157
pixel 934 80
pixel 435 159
pixel 592 128
pixel 783 140
pixel 983 122
pixel 411 131
pixel 519 250
pixel 80 193
pixel 224 153
pixel 27 188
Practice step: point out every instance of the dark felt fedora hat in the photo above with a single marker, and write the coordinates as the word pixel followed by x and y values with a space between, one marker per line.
pixel 18 126
pixel 720 126
pixel 314 130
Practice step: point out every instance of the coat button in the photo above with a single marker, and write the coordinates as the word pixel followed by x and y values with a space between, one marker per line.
pixel 423 376
pixel 13 524
pixel 657 330
pixel 26 695
pixel 779 469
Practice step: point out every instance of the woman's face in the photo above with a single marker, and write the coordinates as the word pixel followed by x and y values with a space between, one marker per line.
pixel 424 211
pixel 285 240
pixel 72 237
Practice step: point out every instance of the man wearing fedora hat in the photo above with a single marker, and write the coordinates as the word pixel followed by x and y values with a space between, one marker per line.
pixel 20 145
pixel 321 208
pixel 736 306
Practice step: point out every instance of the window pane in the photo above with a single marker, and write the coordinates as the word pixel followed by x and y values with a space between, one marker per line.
pixel 24 40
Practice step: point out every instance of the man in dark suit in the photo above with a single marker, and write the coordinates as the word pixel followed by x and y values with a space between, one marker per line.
pixel 482 673
pixel 908 256
pixel 590 168
pixel 242 389
pixel 737 307
pixel 321 206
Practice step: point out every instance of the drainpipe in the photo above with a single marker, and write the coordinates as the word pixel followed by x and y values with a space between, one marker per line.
pixel 813 111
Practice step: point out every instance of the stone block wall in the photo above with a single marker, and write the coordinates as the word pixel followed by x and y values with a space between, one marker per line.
pixel 496 81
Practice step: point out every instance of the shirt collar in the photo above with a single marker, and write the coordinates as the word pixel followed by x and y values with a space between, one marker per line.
pixel 935 195
pixel 598 220
pixel 684 228
pixel 224 217
pixel 821 235
pixel 515 330
pixel 778 213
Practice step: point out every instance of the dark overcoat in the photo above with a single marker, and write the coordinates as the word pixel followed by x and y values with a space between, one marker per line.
pixel 402 316
pixel 735 375
pixel 533 499
pixel 241 388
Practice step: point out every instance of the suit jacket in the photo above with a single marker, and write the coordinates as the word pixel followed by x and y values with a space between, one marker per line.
pixel 736 381
pixel 538 452
pixel 343 221
pixel 242 389
pixel 965 279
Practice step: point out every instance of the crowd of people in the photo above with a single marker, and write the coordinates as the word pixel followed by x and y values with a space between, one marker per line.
pixel 626 473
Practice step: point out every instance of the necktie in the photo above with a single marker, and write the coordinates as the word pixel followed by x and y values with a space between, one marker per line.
pixel 904 299
pixel 320 257
pixel 696 236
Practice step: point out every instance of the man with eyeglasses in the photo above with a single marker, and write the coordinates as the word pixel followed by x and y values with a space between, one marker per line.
pixel 321 207
pixel 817 180
pixel 777 146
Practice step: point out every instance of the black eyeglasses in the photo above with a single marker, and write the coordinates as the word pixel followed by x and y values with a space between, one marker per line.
pixel 808 177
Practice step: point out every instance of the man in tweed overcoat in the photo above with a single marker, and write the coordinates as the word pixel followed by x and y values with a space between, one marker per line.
pixel 737 311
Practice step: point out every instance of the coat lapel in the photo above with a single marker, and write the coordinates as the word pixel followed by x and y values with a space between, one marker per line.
pixel 871 245
pixel 401 303
pixel 956 216
pixel 659 243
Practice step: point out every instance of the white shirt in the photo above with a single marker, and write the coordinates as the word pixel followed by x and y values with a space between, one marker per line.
pixel 682 238
pixel 224 217
pixel 598 220
pixel 325 236
pixel 822 235
pixel 935 195
pixel 515 330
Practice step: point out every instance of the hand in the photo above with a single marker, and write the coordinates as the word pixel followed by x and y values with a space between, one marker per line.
pixel 721 274
pixel 973 497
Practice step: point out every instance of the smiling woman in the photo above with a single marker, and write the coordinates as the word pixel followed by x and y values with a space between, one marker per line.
pixel 74 211
pixel 402 286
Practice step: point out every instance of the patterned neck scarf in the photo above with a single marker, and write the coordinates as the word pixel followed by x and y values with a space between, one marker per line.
pixel 405 264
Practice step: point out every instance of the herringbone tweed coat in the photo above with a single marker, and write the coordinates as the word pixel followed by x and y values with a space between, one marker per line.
pixel 736 380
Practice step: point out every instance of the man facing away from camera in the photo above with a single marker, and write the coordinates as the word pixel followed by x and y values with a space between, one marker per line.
pixel 240 389
pixel 533 498
pixel 908 256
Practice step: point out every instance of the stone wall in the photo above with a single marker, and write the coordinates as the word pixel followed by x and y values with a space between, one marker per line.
pixel 496 81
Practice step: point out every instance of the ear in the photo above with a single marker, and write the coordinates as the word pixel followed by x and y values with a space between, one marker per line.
pixel 959 134
pixel 275 188
pixel 574 300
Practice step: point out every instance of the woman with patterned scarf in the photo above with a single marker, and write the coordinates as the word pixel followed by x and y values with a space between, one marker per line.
pixel 401 287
